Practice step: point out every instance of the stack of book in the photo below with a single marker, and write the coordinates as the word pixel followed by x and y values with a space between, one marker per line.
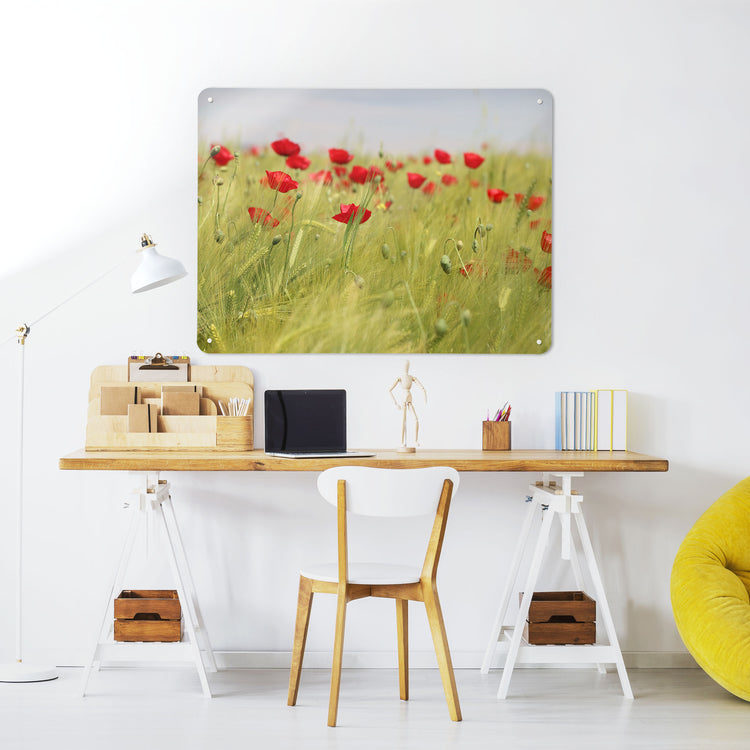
pixel 591 420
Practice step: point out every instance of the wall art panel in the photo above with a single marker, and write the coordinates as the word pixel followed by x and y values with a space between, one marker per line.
pixel 394 221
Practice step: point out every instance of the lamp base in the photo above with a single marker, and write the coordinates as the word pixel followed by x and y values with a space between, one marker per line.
pixel 17 671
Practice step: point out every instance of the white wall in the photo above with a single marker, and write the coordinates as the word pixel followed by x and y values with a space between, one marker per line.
pixel 650 294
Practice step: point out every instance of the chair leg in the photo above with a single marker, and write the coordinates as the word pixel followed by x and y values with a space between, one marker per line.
pixel 338 653
pixel 402 627
pixel 304 603
pixel 440 640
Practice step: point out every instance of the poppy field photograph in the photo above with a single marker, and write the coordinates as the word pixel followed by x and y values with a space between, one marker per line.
pixel 374 221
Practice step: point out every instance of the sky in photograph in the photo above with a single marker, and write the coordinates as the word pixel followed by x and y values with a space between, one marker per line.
pixel 402 121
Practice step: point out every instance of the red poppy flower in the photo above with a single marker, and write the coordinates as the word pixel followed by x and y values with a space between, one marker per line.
pixel 358 174
pixel 426 160
pixel 340 155
pixel 258 215
pixel 340 171
pixel 388 204
pixel 297 162
pixel 444 299
pixel 535 201
pixel 515 261
pixel 415 180
pixel 472 160
pixel 349 212
pixel 473 268
pixel 474 183
pixel 281 181
pixel 442 156
pixel 546 242
pixel 254 151
pixel 535 224
pixel 323 176
pixel 362 174
pixel 544 278
pixel 223 156
pixel 496 195
pixel 448 179
pixel 394 166
pixel 285 147
pixel 429 188
pixel 512 260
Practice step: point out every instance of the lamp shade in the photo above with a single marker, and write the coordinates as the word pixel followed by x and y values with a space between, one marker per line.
pixel 155 270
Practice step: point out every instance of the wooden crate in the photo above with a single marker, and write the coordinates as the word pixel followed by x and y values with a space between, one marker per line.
pixel 152 615
pixel 560 618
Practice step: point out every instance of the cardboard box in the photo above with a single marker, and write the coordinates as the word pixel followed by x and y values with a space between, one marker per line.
pixel 115 398
pixel 186 388
pixel 142 418
pixel 179 403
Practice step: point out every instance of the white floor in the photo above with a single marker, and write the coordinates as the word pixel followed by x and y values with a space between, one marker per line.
pixel 557 708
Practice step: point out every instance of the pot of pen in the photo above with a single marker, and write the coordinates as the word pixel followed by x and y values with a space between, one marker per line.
pixel 496 432
pixel 495 436
pixel 234 425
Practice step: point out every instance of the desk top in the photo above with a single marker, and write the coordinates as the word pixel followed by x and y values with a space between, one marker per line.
pixel 462 460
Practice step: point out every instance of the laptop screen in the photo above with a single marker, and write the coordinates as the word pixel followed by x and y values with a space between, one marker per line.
pixel 305 421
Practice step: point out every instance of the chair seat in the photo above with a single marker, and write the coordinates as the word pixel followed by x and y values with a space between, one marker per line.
pixel 367 574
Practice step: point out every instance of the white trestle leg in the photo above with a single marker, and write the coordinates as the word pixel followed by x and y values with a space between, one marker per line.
pixel 551 500
pixel 153 507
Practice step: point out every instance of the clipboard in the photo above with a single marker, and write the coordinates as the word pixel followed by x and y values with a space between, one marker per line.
pixel 159 368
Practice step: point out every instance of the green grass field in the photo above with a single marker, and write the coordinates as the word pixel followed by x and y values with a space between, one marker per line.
pixel 431 269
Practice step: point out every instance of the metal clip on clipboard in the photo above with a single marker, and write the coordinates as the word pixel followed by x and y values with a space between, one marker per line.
pixel 158 362
pixel 159 368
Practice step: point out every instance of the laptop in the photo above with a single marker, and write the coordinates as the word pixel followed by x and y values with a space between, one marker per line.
pixel 307 424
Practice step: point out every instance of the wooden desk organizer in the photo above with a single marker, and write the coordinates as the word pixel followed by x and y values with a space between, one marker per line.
pixel 208 431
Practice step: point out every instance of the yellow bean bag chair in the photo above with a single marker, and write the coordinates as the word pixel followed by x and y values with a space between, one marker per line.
pixel 709 587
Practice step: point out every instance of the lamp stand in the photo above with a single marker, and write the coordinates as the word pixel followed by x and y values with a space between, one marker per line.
pixel 19 671
pixel 155 271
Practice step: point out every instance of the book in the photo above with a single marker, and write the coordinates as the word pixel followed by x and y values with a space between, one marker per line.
pixel 570 420
pixel 619 419
pixel 611 419
pixel 591 420
pixel 603 420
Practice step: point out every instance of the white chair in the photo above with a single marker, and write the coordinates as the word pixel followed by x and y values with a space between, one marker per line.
pixel 394 493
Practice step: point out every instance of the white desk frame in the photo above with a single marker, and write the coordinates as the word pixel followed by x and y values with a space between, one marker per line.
pixel 551 500
pixel 545 501
pixel 154 503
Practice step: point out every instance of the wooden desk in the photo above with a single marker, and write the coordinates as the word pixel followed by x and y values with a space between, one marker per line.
pixel 461 460
pixel 547 500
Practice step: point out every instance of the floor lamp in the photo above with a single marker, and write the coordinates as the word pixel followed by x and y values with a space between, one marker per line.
pixel 155 270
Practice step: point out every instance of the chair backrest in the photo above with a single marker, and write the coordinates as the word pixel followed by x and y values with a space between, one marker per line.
pixel 392 493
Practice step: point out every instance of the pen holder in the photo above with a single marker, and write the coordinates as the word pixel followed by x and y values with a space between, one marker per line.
pixel 495 436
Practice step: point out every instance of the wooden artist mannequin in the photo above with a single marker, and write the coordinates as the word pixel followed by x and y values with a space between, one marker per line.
pixel 405 380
